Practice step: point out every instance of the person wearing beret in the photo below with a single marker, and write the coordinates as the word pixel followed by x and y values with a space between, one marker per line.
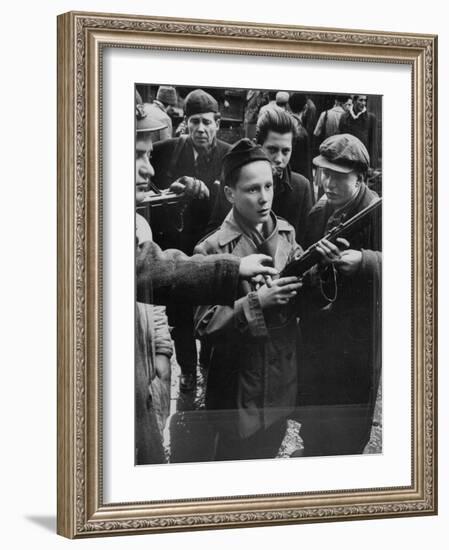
pixel 340 376
pixel 276 132
pixel 164 277
pixel 194 159
pixel 252 379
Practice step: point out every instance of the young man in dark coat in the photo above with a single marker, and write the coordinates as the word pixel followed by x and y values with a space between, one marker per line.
pixel 197 159
pixel 276 130
pixel 339 382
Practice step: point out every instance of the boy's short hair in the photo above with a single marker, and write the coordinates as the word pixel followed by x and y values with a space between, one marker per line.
pixel 275 120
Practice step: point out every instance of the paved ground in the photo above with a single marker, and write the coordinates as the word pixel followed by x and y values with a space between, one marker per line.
pixel 188 423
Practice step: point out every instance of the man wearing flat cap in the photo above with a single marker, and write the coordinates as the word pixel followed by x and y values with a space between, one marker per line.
pixel 252 380
pixel 194 160
pixel 339 385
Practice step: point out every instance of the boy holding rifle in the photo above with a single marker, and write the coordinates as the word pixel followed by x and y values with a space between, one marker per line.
pixel 340 377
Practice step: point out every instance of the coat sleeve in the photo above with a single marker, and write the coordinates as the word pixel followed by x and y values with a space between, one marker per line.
pixel 371 266
pixel 245 316
pixel 163 344
pixel 169 276
pixel 306 203
pixel 319 125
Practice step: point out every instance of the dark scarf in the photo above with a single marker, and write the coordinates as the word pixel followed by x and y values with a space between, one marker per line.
pixel 265 241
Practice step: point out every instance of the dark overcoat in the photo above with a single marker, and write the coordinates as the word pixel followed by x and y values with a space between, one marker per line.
pixel 172 159
pixel 343 340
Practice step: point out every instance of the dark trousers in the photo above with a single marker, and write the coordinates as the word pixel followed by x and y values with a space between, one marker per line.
pixel 181 318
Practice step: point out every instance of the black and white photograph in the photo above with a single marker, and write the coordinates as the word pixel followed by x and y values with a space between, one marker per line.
pixel 258 316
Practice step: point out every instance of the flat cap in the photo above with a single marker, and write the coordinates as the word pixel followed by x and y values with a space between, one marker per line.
pixel 198 102
pixel 167 95
pixel 243 152
pixel 149 118
pixel 343 153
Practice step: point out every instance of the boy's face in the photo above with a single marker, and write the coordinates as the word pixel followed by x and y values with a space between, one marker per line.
pixel 278 148
pixel 252 195
pixel 339 188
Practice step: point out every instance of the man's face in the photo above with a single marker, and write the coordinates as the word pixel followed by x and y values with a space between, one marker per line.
pixel 144 170
pixel 339 188
pixel 347 104
pixel 278 148
pixel 252 195
pixel 203 130
pixel 360 103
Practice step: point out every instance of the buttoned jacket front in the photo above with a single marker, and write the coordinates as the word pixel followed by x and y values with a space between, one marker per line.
pixel 253 370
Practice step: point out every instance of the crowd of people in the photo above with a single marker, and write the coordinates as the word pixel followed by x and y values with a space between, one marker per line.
pixel 216 225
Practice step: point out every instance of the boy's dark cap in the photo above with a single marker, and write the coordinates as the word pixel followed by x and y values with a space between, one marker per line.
pixel 343 153
pixel 243 152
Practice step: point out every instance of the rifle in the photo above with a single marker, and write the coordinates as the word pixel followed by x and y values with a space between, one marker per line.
pixel 161 198
pixel 344 229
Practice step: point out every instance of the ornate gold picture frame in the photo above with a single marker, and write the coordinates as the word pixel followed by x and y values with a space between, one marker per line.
pixel 82 508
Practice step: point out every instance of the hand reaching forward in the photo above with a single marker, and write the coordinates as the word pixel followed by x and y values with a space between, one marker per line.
pixel 256 264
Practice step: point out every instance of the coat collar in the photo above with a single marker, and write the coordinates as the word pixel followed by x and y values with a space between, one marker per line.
pixel 285 179
pixel 230 231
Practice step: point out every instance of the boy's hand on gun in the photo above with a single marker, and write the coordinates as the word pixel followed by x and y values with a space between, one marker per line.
pixel 279 293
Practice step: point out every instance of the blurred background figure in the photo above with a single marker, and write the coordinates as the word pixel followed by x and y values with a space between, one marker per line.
pixel 255 99
pixel 361 123
pixel 329 120
pixel 309 115
pixel 301 161
pixel 282 100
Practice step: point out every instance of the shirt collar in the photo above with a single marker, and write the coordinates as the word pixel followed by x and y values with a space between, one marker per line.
pixel 360 113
